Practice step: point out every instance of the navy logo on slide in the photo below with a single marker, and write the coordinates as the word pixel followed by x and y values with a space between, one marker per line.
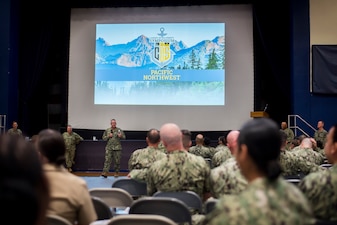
pixel 162 54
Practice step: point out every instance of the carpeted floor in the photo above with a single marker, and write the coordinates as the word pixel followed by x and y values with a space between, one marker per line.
pixel 99 182
pixel 95 180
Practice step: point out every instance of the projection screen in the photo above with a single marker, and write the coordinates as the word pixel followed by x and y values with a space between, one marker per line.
pixel 145 66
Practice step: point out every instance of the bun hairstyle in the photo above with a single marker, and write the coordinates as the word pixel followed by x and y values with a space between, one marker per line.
pixel 263 140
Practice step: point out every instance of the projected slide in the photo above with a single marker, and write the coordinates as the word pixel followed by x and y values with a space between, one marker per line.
pixel 160 64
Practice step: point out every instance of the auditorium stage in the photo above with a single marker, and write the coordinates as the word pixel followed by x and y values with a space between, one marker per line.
pixel 97 174
pixel 90 155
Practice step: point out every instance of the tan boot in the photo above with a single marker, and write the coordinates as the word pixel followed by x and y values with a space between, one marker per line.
pixel 104 174
pixel 69 169
pixel 116 174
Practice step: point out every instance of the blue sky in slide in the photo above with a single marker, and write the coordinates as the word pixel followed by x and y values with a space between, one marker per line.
pixel 189 33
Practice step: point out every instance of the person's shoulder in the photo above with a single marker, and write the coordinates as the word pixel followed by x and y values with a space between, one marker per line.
pixel 219 169
pixel 75 180
pixel 230 201
pixel 137 151
pixel 286 154
pixel 315 179
pixel 194 157
pixel 160 153
pixel 158 164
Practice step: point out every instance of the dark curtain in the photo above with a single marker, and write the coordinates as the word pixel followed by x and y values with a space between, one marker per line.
pixel 272 59
pixel 324 69
pixel 37 48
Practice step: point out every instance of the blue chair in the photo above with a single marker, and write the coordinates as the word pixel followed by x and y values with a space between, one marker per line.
pixel 117 199
pixel 190 198
pixel 325 222
pixel 171 208
pixel 140 219
pixel 136 188
pixel 210 204
pixel 103 211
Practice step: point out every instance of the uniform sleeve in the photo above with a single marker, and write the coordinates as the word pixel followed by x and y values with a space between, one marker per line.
pixel 105 136
pixel 151 189
pixel 78 138
pixel 132 160
pixel 87 213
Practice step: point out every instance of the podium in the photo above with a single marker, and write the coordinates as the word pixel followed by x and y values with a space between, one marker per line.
pixel 258 114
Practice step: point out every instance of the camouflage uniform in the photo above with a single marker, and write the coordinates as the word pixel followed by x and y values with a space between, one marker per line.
pixel 320 188
pixel 288 163
pixel 161 147
pixel 113 148
pixel 263 203
pixel 320 135
pixel 292 164
pixel 180 171
pixel 211 151
pixel 309 155
pixel 227 179
pixel 219 148
pixel 71 140
pixel 141 159
pixel 14 132
pixel 321 151
pixel 221 156
pixel 201 150
pixel 290 137
pixel 290 134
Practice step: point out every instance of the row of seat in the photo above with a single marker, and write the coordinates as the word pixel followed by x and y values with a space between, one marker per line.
pixel 130 219
pixel 140 219
pixel 138 189
pixel 135 188
pixel 174 205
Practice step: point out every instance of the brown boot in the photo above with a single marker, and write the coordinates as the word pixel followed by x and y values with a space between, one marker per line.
pixel 116 174
pixel 104 174
pixel 69 169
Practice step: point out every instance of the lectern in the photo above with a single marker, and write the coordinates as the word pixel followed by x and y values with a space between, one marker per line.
pixel 258 114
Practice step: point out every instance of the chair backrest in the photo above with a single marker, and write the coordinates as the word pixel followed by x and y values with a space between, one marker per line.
pixel 210 204
pixel 325 222
pixel 190 198
pixel 113 197
pixel 294 181
pixel 141 219
pixel 57 220
pixel 102 209
pixel 326 165
pixel 172 208
pixel 134 187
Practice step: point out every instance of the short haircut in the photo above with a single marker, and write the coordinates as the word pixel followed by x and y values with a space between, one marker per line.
pixel 186 137
pixel 51 144
pixel 153 136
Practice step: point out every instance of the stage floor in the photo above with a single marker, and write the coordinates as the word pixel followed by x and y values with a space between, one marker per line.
pixel 97 174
